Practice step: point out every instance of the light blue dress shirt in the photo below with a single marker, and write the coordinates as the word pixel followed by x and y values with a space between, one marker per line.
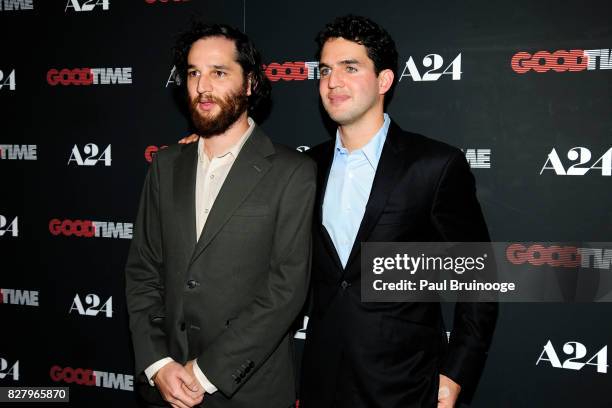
pixel 348 189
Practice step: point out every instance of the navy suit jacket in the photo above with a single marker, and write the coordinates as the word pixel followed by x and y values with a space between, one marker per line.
pixel 390 355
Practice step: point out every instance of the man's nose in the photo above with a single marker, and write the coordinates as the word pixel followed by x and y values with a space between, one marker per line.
pixel 204 84
pixel 335 79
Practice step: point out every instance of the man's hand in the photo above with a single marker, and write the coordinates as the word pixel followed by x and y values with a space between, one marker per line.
pixel 448 392
pixel 200 392
pixel 189 139
pixel 172 381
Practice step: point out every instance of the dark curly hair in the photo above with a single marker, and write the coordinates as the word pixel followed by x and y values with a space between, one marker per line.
pixel 377 41
pixel 246 55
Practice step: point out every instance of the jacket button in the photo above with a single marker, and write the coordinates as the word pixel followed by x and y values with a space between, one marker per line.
pixel 183 326
pixel 344 284
pixel 192 283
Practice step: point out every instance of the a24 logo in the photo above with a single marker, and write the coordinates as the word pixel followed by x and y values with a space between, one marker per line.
pixel 577 354
pixel 434 62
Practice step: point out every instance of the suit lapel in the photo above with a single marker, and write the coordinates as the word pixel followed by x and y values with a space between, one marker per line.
pixel 324 162
pixel 248 169
pixel 387 174
pixel 184 182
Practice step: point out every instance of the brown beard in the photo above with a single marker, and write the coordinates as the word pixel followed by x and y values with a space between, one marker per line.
pixel 231 107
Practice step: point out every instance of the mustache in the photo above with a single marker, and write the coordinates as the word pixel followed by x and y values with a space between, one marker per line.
pixel 203 99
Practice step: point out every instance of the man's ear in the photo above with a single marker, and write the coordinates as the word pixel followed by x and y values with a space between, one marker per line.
pixel 385 80
pixel 249 85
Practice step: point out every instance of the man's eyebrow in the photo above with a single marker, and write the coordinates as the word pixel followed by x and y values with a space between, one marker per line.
pixel 213 66
pixel 343 62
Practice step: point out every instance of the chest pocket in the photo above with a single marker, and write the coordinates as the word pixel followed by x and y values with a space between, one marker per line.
pixel 252 210
pixel 396 218
pixel 249 219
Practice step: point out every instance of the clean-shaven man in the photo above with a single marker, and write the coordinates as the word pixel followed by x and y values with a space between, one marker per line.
pixel 379 183
pixel 219 265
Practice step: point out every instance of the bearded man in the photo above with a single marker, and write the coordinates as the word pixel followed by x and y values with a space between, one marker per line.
pixel 219 265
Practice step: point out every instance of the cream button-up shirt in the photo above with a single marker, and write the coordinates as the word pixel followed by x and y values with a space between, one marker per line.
pixel 211 174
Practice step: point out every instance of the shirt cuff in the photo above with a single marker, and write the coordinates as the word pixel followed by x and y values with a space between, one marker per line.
pixel 151 370
pixel 208 386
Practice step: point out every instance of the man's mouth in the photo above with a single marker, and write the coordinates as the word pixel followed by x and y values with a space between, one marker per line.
pixel 206 105
pixel 337 99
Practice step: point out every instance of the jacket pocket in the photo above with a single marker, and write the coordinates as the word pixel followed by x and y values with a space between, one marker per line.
pixel 409 334
pixel 157 319
pixel 395 218
pixel 252 210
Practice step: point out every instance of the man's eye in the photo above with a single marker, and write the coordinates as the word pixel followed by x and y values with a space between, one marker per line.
pixel 193 73
pixel 324 71
pixel 220 74
pixel 351 69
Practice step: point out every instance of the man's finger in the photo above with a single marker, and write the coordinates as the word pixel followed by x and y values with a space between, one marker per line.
pixel 195 395
pixel 190 382
pixel 186 398
pixel 188 139
pixel 182 399
pixel 178 403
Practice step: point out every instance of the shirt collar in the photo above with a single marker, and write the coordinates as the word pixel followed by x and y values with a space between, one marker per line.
pixel 234 150
pixel 373 149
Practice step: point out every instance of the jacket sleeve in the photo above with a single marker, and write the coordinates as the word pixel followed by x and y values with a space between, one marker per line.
pixel 259 328
pixel 458 218
pixel 143 278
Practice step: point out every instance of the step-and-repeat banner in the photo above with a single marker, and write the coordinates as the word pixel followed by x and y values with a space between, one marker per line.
pixel 88 96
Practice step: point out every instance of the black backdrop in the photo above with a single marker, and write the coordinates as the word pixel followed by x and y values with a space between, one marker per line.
pixel 508 122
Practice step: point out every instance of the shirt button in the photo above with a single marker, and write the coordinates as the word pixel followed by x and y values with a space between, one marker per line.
pixel 344 285
pixel 212 176
pixel 206 211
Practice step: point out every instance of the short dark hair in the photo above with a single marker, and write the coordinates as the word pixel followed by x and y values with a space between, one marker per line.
pixel 246 55
pixel 377 41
